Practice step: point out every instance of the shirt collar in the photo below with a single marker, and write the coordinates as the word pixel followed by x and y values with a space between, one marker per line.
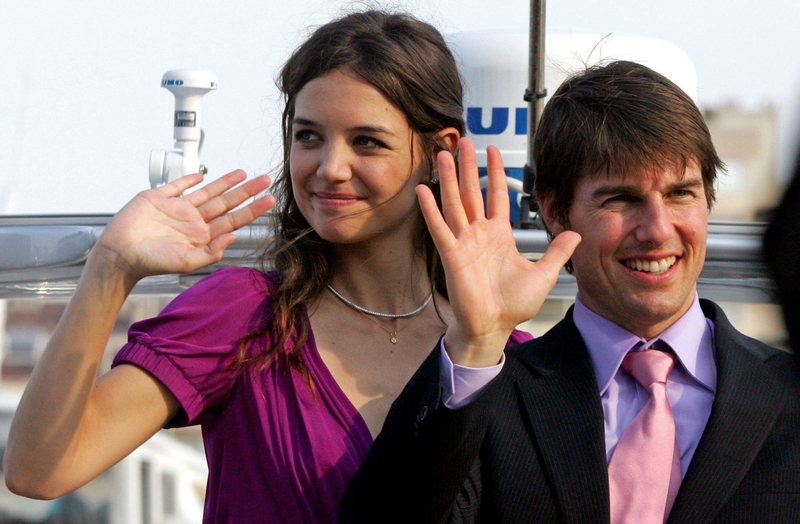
pixel 691 337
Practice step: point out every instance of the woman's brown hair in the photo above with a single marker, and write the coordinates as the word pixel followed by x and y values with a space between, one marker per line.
pixel 408 61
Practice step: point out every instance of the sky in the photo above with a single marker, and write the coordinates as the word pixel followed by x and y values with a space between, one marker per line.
pixel 81 107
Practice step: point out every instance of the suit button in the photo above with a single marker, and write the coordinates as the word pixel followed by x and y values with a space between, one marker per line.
pixel 422 413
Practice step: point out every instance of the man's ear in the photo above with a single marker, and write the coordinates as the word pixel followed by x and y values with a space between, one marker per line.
pixel 450 137
pixel 549 215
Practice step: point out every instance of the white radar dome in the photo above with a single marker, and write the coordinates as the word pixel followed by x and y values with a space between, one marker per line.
pixel 495 69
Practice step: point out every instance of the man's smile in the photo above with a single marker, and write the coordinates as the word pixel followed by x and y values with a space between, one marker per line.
pixel 651 266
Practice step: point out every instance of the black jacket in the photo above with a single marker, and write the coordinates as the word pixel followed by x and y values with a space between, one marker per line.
pixel 531 447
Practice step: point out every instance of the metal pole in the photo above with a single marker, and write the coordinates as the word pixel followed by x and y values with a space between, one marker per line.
pixel 534 95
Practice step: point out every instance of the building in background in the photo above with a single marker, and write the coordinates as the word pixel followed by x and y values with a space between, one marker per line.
pixel 162 482
pixel 747 141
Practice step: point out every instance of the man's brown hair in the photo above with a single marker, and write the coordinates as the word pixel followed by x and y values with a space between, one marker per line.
pixel 618 118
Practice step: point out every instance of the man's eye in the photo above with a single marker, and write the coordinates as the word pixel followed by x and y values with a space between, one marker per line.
pixel 619 199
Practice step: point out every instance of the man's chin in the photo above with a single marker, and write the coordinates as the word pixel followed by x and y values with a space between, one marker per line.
pixel 652 311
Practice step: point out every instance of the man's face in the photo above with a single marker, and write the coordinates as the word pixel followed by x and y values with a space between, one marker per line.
pixel 643 247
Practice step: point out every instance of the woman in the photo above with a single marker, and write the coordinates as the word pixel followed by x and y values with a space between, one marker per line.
pixel 290 373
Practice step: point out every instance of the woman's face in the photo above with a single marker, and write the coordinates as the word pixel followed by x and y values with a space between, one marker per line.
pixel 354 161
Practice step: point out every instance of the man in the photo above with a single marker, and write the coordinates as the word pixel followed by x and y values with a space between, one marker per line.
pixel 782 249
pixel 623 159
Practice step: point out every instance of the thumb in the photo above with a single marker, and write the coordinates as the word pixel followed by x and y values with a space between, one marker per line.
pixel 558 253
pixel 218 246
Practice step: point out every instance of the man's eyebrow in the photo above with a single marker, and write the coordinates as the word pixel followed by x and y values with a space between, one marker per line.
pixel 687 184
pixel 624 189
pixel 619 189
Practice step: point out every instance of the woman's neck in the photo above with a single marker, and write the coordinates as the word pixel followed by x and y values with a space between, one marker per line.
pixel 387 282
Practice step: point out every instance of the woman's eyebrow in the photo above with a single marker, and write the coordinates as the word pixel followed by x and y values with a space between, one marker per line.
pixel 357 129
pixel 303 121
pixel 373 129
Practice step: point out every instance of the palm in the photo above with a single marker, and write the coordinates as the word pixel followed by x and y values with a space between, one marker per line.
pixel 492 288
pixel 157 233
pixel 490 283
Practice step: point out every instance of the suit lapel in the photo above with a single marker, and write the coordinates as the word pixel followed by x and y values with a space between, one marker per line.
pixel 747 403
pixel 565 419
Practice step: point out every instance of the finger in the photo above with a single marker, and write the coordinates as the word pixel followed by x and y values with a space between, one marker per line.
pixel 440 232
pixel 177 187
pixel 224 224
pixel 497 192
pixel 470 187
pixel 215 188
pixel 452 209
pixel 558 254
pixel 228 200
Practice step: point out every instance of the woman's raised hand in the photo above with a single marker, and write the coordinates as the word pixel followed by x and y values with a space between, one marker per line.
pixel 69 426
pixel 492 288
pixel 161 232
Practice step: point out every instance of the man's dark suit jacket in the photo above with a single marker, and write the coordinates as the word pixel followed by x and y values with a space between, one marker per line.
pixel 782 252
pixel 531 447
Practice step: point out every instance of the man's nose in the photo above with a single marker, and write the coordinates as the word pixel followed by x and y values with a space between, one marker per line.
pixel 655 225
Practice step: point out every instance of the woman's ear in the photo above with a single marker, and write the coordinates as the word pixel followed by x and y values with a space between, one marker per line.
pixel 549 215
pixel 449 137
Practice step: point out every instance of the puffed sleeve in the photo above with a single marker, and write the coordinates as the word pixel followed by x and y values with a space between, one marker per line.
pixel 518 337
pixel 192 343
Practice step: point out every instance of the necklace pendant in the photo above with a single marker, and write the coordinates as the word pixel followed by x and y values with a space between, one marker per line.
pixel 393 337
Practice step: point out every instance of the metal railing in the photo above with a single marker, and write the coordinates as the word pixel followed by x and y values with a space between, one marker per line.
pixel 44 255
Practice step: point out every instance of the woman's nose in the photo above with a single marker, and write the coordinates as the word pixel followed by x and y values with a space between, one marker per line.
pixel 334 164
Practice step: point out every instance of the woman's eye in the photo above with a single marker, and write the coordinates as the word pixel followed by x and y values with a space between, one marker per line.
pixel 305 136
pixel 368 142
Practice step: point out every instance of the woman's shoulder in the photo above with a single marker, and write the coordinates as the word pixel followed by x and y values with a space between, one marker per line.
pixel 231 287
pixel 192 344
pixel 233 281
pixel 234 297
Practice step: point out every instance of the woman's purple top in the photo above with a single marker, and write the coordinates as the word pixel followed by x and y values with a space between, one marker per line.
pixel 276 452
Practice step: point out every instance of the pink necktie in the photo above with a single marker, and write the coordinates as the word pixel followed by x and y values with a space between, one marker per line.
pixel 644 473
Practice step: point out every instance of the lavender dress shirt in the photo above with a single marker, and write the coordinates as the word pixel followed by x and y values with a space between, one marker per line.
pixel 690 388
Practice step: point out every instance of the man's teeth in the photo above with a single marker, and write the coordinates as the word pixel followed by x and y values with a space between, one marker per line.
pixel 651 266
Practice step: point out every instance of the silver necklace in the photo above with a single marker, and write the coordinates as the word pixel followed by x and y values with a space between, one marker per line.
pixel 375 313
